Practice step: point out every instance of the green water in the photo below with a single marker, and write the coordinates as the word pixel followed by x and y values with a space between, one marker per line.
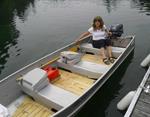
pixel 30 29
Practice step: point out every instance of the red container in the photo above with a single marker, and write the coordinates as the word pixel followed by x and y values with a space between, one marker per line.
pixel 52 72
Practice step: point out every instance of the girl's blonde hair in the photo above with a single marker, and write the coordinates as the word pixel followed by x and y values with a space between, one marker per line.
pixel 98 18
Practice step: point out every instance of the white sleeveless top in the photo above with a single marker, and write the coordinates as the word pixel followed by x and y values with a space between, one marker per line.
pixel 98 34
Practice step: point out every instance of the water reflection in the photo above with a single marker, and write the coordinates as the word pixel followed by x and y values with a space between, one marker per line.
pixel 22 7
pixel 8 32
pixel 142 5
pixel 111 4
pixel 109 92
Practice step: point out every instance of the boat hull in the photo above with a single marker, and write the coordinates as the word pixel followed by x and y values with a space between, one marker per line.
pixel 10 90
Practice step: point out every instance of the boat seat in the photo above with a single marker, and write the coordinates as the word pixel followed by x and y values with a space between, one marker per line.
pixel 35 79
pixel 87 47
pixel 55 96
pixel 47 94
pixel 52 96
pixel 86 68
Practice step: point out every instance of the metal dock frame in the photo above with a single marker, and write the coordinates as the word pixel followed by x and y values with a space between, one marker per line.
pixel 135 99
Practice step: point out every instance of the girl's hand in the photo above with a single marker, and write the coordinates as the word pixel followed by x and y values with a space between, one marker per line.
pixel 81 37
pixel 77 41
pixel 110 33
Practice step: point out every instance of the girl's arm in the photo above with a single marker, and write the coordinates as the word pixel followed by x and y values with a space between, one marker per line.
pixel 81 37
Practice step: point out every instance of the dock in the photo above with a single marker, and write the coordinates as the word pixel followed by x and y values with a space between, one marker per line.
pixel 140 105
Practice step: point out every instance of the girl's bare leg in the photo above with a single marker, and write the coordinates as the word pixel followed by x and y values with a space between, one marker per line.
pixel 105 59
pixel 109 50
pixel 102 53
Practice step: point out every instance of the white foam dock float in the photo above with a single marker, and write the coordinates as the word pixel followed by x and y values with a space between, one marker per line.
pixel 146 61
pixel 125 101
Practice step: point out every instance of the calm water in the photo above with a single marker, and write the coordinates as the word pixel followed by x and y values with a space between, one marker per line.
pixel 30 29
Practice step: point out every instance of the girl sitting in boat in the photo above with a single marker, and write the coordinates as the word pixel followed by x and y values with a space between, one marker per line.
pixel 100 39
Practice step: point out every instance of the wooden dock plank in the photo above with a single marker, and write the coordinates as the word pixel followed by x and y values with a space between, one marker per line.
pixel 139 113
pixel 145 97
pixel 143 106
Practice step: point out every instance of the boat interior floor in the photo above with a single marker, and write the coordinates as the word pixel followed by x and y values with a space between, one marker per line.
pixel 73 82
pixel 25 106
pixel 94 59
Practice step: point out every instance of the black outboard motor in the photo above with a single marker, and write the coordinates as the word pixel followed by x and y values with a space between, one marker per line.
pixel 117 30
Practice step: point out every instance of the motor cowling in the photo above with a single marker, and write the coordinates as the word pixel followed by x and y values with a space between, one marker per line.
pixel 116 30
